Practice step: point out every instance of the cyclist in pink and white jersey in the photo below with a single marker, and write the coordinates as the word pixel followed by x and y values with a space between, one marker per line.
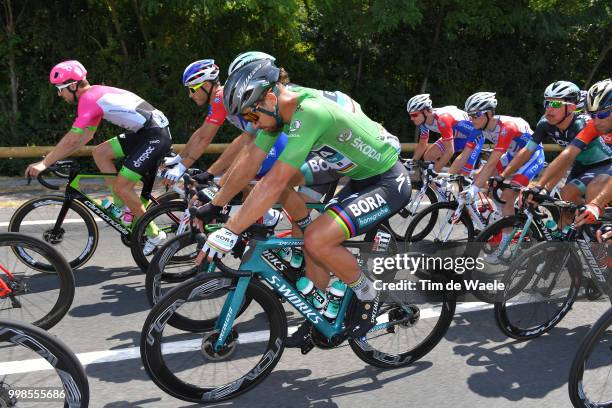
pixel 449 121
pixel 146 142
pixel 510 135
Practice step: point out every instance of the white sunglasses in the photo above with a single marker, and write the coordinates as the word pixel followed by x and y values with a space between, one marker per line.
pixel 61 87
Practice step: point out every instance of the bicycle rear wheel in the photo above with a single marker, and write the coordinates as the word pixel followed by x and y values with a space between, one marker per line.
pixel 38 298
pixel 539 289
pixel 50 369
pixel 184 364
pixel 409 325
pixel 76 239
pixel 590 379
pixel 400 221
pixel 435 225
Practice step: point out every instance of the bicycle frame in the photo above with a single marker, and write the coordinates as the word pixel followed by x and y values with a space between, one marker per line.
pixel 5 290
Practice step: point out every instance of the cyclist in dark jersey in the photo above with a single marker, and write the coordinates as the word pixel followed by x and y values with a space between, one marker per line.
pixel 588 148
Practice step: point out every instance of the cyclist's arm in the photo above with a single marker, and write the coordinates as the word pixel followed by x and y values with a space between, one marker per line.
pixel 265 194
pixel 70 143
pixel 489 169
pixel 420 149
pixel 521 158
pixel 244 171
pixel 198 142
pixel 459 163
pixel 228 157
pixel 557 169
pixel 449 150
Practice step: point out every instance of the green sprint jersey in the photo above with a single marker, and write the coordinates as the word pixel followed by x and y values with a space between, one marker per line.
pixel 349 141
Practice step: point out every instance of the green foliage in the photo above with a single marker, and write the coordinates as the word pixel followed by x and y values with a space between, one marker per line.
pixel 380 52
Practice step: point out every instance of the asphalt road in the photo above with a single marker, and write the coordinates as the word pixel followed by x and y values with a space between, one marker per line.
pixel 474 366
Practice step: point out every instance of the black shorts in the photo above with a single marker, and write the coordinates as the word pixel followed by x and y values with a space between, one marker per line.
pixel 143 151
pixel 363 204
pixel 581 175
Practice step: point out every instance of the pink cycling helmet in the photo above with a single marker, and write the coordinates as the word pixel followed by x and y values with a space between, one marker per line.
pixel 67 71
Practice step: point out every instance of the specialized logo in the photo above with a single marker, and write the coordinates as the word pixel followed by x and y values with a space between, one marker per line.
pixel 274 261
pixel 401 179
pixel 295 125
pixel 367 204
pixel 345 136
pixel 290 294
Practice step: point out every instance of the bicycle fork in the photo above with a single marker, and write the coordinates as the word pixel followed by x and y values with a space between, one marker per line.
pixel 232 304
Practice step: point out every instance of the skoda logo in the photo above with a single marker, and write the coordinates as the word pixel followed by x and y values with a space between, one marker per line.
pixel 345 136
pixel 295 125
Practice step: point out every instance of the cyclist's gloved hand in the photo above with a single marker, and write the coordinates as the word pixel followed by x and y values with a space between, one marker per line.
pixel 203 178
pixel 604 233
pixel 471 192
pixel 218 244
pixel 174 174
pixel 589 215
pixel 169 161
pixel 206 194
pixel 208 212
pixel 528 194
pixel 496 181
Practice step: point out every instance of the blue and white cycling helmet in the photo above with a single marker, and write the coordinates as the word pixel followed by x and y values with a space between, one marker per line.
pixel 246 57
pixel 200 71
pixel 600 96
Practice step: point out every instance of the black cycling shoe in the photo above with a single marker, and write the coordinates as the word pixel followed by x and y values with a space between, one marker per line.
pixel 300 337
pixel 364 317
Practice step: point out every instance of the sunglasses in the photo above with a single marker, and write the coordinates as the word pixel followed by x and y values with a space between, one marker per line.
pixel 476 115
pixel 193 89
pixel 601 114
pixel 415 114
pixel 60 88
pixel 250 116
pixel 554 104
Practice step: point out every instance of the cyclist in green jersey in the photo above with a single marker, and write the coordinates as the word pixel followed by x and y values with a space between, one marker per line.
pixel 349 142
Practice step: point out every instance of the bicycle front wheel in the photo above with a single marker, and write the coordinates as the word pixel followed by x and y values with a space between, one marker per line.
pixel 76 238
pixel 539 289
pixel 29 296
pixel 186 366
pixel 590 380
pixel 51 369
pixel 436 224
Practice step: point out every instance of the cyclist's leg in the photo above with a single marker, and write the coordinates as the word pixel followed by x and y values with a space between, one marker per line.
pixel 596 186
pixel 150 145
pixel 579 179
pixel 104 156
pixel 435 151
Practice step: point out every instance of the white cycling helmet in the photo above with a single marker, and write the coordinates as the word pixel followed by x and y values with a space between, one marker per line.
pixel 481 101
pixel 565 90
pixel 599 96
pixel 200 71
pixel 246 57
pixel 418 103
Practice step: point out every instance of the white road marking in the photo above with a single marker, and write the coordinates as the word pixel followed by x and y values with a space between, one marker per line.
pixel 106 356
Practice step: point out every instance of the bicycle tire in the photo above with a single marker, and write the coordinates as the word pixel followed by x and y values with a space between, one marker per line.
pixel 433 211
pixel 163 376
pixel 507 311
pixel 85 247
pixel 66 365
pixel 169 195
pixel 575 384
pixel 404 216
pixel 139 237
pixel 372 355
pixel 485 239
pixel 65 295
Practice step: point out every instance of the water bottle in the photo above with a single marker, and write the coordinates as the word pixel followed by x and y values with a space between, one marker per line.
pixel 334 299
pixel 551 225
pixel 313 294
pixel 109 206
pixel 381 241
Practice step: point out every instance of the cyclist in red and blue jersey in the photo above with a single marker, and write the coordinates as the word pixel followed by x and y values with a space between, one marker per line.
pixel 453 126
pixel 510 135
pixel 143 146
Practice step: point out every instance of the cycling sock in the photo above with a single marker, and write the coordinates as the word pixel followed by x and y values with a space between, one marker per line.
pixel 363 288
pixel 116 200
pixel 304 222
pixel 152 230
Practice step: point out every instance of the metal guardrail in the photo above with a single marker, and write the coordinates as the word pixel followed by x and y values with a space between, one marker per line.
pixel 216 148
